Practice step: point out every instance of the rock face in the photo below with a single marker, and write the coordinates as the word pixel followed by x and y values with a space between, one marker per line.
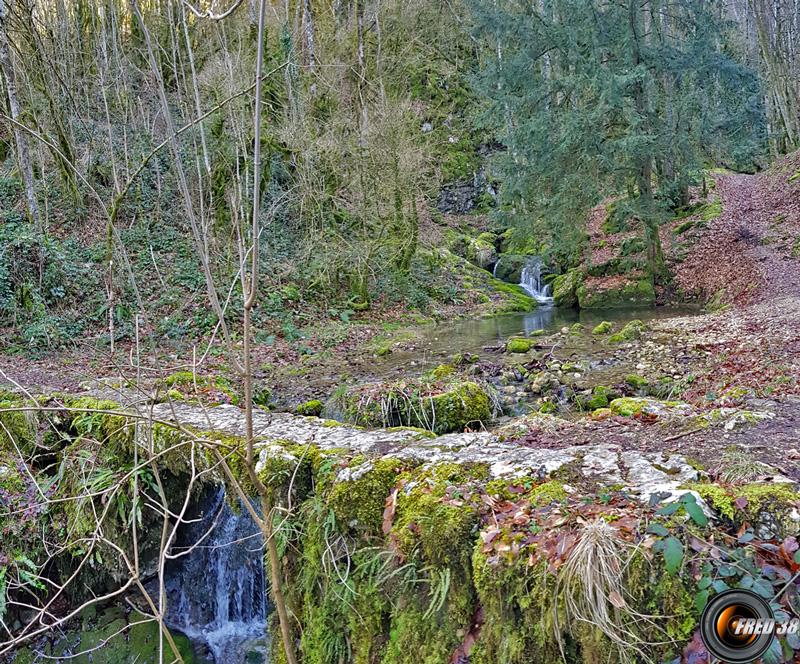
pixel 431 532
pixel 602 293
pixel 509 267
pixel 565 288
pixel 462 197
pixel 603 463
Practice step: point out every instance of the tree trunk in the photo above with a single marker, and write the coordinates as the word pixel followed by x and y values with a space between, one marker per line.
pixel 21 140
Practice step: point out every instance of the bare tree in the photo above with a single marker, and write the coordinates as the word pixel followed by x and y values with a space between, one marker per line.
pixel 21 140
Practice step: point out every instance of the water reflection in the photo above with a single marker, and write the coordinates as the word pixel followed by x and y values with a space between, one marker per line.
pixel 475 335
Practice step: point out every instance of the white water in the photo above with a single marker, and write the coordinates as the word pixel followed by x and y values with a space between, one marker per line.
pixel 217 593
pixel 531 281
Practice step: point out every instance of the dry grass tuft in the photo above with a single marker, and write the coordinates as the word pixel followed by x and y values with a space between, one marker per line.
pixel 591 589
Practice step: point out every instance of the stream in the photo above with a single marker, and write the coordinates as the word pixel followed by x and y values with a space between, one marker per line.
pixel 437 343
pixel 216 593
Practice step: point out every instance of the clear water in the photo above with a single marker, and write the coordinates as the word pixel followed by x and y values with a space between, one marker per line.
pixel 477 335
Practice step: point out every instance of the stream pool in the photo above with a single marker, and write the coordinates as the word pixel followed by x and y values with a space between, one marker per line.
pixel 438 342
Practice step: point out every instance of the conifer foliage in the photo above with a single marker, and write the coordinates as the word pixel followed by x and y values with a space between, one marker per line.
pixel 591 97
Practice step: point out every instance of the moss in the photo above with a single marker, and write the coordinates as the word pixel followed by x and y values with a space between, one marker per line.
pixel 547 493
pixel 636 382
pixel 717 498
pixel 181 378
pixel 442 371
pixel 602 414
pixel 632 330
pixel 111 638
pixel 519 345
pixel 565 288
pixel 768 495
pixel 632 293
pixel 576 328
pixel 628 406
pixel 657 593
pixel 602 328
pixel 605 391
pixel 430 529
pixel 359 502
pixel 548 407
pixel 514 298
pixel 489 238
pixel 519 612
pixel 592 402
pixel 684 226
pixel 313 407
pixel 711 210
pixel 17 428
pixel 509 267
pixel 441 409
pixel 420 433
pixel 775 500
pixel 481 251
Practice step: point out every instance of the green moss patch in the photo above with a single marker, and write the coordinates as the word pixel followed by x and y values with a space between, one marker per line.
pixel 603 328
pixel 440 407
pixel 519 345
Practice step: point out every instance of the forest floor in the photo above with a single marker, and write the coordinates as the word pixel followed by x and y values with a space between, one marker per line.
pixel 745 355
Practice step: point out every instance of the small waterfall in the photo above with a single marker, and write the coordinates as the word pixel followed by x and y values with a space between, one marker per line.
pixel 216 593
pixel 531 281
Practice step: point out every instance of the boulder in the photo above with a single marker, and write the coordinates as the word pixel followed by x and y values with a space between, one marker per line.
pixel 632 330
pixel 509 267
pixel 609 293
pixel 519 345
pixel 602 328
pixel 565 288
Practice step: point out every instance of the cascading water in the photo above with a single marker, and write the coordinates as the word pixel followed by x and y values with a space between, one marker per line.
pixel 531 281
pixel 216 593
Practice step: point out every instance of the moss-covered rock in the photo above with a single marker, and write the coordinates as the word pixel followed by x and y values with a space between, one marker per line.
pixel 771 507
pixel 481 251
pixel 519 345
pixel 313 407
pixel 509 267
pixel 514 298
pixel 439 407
pixel 565 288
pixel 628 406
pixel 633 330
pixel 603 328
pixel 442 371
pixel 592 401
pixel 636 382
pixel 358 497
pixel 599 295
pixel 637 406
pixel 112 637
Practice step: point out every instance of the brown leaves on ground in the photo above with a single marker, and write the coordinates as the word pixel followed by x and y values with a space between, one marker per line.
pixel 747 251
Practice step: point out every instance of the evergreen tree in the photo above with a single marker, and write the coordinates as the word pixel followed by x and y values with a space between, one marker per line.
pixel 591 98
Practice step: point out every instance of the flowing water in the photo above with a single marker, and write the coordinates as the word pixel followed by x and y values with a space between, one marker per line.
pixel 216 593
pixel 531 281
